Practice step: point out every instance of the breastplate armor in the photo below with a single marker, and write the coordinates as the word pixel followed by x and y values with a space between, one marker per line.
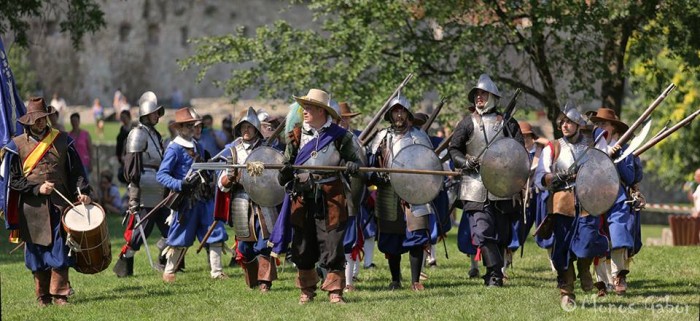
pixel 472 187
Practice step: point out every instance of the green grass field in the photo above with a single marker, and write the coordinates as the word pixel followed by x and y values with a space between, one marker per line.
pixel 663 286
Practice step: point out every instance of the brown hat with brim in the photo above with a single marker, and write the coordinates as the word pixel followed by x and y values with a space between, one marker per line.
pixel 36 109
pixel 420 119
pixel 526 128
pixel 607 114
pixel 318 98
pixel 345 110
pixel 186 115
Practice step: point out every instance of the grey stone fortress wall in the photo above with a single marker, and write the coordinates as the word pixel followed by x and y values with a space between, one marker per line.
pixel 138 48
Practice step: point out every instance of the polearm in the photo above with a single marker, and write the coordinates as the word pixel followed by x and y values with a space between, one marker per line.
pixel 666 133
pixel 628 134
pixel 368 129
pixel 432 117
pixel 443 144
pixel 221 166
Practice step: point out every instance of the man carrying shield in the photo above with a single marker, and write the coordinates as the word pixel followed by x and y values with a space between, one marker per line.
pixel 402 227
pixel 624 228
pixel 489 216
pixel 575 232
pixel 316 207
pixel 39 166
pixel 251 222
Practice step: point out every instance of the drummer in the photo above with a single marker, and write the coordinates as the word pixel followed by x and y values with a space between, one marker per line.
pixel 403 227
pixel 43 164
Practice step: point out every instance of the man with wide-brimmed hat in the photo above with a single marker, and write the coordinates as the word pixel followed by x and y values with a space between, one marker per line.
pixel 316 209
pixel 575 233
pixel 402 227
pixel 252 222
pixel 360 229
pixel 193 216
pixel 623 224
pixel 143 153
pixel 37 166
pixel 488 215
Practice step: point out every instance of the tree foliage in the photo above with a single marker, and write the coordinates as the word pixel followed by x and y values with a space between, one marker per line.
pixel 76 17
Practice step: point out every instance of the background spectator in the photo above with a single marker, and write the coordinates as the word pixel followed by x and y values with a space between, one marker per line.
pixel 176 98
pixel 207 138
pixel 83 143
pixel 98 112
pixel 108 194
pixel 60 105
pixel 696 194
pixel 126 125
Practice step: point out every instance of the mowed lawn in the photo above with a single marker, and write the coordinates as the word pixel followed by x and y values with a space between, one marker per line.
pixel 663 286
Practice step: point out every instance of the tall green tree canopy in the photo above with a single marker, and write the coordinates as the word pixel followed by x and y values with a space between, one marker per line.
pixel 76 17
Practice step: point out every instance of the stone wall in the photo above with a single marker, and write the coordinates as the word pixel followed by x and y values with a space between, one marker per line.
pixel 140 45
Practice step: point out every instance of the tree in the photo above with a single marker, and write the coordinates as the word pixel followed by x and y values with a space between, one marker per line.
pixel 553 50
pixel 77 17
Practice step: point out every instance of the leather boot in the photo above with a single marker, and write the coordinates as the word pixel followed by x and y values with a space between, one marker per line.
pixel 334 285
pixel 620 282
pixel 565 283
pixel 306 281
pixel 584 274
pixel 42 280
pixel 124 267
pixel 267 272
pixel 602 289
pixel 250 273
pixel 59 287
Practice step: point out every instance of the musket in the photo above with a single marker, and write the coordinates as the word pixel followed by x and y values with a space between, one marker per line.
pixel 221 166
pixel 666 133
pixel 432 117
pixel 628 134
pixel 668 122
pixel 365 133
pixel 274 135
pixel 206 236
pixel 443 144
pixel 156 208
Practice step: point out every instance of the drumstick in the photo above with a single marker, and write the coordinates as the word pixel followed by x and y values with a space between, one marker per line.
pixel 67 201
pixel 88 212
pixel 17 247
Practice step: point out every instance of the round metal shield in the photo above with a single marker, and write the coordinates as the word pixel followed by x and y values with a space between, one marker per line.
pixel 505 167
pixel 597 183
pixel 264 189
pixel 416 188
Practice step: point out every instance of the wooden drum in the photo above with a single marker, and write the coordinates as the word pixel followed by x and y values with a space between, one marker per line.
pixel 88 238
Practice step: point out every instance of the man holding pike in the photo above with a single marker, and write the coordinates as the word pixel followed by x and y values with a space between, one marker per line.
pixel 316 208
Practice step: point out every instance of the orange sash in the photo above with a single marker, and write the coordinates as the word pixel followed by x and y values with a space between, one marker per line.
pixel 39 151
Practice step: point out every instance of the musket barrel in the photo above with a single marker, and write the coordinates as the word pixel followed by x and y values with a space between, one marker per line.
pixel 368 129
pixel 221 166
pixel 666 133
pixel 430 120
pixel 628 134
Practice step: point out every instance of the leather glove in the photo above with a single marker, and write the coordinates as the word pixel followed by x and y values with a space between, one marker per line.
pixel 560 180
pixel 351 168
pixel 187 186
pixel 286 173
pixel 615 151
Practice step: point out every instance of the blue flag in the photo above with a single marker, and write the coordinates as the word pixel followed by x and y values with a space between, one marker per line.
pixel 11 103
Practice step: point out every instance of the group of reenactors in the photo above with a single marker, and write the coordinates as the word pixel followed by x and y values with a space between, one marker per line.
pixel 323 217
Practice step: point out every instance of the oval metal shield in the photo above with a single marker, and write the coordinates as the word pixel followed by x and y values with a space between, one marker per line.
pixel 264 189
pixel 416 188
pixel 597 183
pixel 505 167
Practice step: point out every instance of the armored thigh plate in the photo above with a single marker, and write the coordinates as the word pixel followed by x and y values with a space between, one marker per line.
pixel 151 191
pixel 264 189
pixel 387 203
pixel 416 188
pixel 240 205
pixel 597 183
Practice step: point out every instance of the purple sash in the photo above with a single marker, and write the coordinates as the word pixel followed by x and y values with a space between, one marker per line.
pixel 282 233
